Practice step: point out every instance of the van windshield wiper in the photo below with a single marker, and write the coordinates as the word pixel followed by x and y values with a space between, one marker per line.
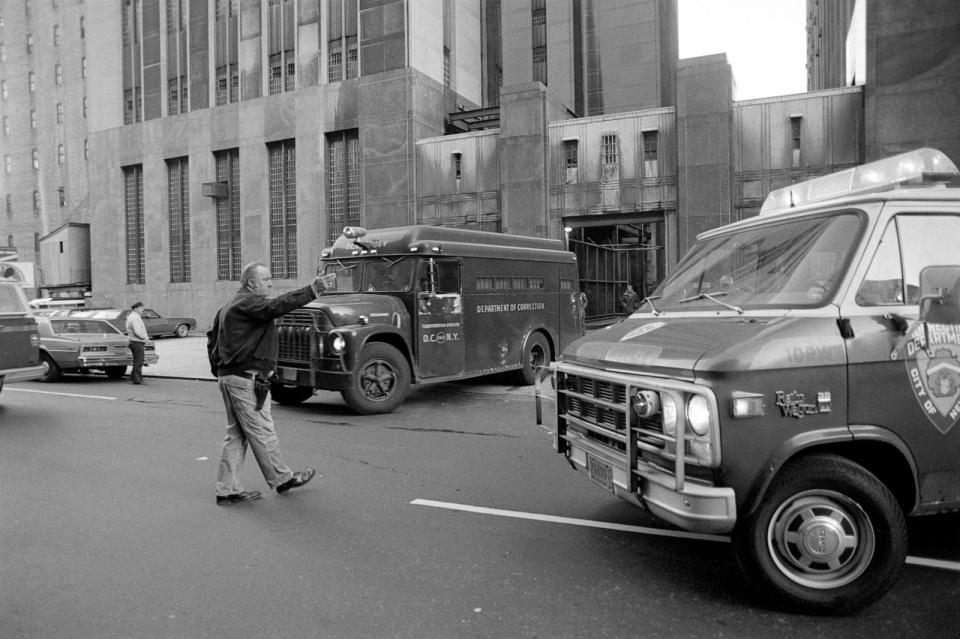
pixel 713 298
pixel 649 300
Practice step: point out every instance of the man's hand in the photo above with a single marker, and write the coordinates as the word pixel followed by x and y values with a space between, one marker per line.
pixel 323 283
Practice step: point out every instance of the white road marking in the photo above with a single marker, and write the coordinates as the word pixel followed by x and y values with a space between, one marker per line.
pixel 680 534
pixel 27 390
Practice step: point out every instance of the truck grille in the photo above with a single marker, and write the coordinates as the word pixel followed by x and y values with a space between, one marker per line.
pixel 297 331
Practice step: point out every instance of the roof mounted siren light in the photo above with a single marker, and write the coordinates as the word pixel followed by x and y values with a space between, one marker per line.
pixel 354 232
pixel 914 167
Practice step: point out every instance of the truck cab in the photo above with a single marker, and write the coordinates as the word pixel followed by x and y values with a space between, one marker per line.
pixel 795 383
pixel 19 340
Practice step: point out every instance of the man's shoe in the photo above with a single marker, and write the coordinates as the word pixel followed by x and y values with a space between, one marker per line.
pixel 299 479
pixel 247 495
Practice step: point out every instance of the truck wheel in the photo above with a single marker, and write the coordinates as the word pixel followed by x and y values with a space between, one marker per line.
pixel 536 353
pixel 381 382
pixel 51 371
pixel 182 330
pixel 115 372
pixel 829 537
pixel 290 395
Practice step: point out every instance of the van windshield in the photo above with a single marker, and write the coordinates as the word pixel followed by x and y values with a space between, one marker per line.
pixel 374 275
pixel 794 264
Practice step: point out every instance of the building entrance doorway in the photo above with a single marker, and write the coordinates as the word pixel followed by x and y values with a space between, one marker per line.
pixel 613 256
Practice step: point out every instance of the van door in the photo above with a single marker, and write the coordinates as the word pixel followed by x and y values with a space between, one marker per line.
pixel 440 338
pixel 897 381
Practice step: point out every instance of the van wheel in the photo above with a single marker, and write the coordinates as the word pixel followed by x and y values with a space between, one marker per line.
pixel 829 537
pixel 51 371
pixel 115 372
pixel 381 382
pixel 536 353
pixel 290 395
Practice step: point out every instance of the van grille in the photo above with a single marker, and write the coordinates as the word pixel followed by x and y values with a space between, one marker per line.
pixel 599 402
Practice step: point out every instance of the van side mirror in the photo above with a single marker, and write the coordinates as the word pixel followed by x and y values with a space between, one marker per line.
pixel 940 294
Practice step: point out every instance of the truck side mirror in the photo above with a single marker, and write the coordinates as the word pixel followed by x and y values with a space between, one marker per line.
pixel 940 294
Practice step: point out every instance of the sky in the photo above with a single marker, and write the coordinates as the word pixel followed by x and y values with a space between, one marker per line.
pixel 765 42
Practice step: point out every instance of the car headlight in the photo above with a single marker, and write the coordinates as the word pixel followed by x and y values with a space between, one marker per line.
pixel 338 345
pixel 698 414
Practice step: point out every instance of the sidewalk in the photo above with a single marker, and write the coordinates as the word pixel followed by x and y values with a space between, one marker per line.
pixel 181 357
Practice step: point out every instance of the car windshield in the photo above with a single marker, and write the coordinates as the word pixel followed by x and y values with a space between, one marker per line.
pixel 376 275
pixel 794 264
pixel 75 325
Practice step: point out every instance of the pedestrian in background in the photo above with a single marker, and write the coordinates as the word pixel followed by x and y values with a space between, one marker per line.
pixel 630 299
pixel 137 334
pixel 242 346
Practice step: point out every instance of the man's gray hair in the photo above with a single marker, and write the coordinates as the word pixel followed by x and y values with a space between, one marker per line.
pixel 249 271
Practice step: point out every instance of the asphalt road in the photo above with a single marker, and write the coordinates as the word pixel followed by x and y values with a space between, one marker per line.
pixel 440 520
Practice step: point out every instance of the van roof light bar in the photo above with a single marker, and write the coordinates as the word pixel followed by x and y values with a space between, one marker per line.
pixel 921 165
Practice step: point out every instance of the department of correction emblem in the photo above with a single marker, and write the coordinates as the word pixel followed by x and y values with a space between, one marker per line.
pixel 933 365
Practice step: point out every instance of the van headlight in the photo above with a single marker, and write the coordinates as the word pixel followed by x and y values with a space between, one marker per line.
pixel 668 406
pixel 337 344
pixel 698 414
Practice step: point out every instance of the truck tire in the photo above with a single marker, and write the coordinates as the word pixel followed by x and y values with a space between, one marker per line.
pixel 115 372
pixel 536 353
pixel 381 381
pixel 828 538
pixel 52 372
pixel 290 395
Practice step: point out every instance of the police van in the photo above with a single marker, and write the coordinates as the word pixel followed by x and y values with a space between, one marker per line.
pixel 795 383
pixel 418 304
pixel 19 338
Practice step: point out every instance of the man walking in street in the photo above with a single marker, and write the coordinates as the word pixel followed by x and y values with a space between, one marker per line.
pixel 137 333
pixel 242 346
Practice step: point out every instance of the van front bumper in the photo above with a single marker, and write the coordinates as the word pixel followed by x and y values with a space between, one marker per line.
pixel 697 507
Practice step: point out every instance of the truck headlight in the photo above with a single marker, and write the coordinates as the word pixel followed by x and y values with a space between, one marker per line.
pixel 698 414
pixel 338 345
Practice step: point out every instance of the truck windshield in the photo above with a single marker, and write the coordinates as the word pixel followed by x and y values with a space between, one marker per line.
pixel 374 275
pixel 793 264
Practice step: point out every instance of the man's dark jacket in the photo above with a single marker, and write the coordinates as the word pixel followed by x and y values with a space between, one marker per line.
pixel 244 337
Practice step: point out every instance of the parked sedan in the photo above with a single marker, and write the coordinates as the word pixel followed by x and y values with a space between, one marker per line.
pixel 157 325
pixel 83 345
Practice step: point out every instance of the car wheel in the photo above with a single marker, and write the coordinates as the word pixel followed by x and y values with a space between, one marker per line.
pixel 536 353
pixel 829 537
pixel 290 395
pixel 51 371
pixel 381 381
pixel 182 330
pixel 115 372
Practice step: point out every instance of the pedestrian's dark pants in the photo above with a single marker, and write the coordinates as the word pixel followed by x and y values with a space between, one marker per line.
pixel 136 373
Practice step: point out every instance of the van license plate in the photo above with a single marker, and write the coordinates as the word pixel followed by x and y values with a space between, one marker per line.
pixel 600 472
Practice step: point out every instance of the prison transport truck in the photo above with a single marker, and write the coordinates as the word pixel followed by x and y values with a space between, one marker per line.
pixel 795 383
pixel 19 340
pixel 420 304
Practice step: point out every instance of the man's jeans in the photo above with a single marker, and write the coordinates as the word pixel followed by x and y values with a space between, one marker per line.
pixel 136 371
pixel 246 424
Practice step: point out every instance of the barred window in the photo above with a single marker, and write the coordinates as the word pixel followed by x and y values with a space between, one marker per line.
pixel 227 39
pixel 484 283
pixel 538 10
pixel 609 151
pixel 228 216
pixel 535 282
pixel 342 60
pixel 133 209
pixel 343 181
pixel 650 152
pixel 283 209
pixel 178 205
pixel 281 43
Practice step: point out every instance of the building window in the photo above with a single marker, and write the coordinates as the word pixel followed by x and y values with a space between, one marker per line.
pixel 62 193
pixel 59 112
pixel 177 58
pixel 457 166
pixel 8 164
pixel 6 126
pixel 3 53
pixel 178 208
pixel 177 95
pixel 538 10
pixel 571 160
pixel 33 119
pixel 343 182
pixel 226 33
pixel 83 67
pixel 56 35
pixel 795 141
pixel 10 210
pixel 342 40
pixel 228 216
pixel 132 54
pixel 133 209
pixel 61 154
pixel 3 89
pixel 36 201
pixel 609 152
pixel 36 159
pixel 31 82
pixel 283 209
pixel 84 107
pixel 651 163
pixel 281 25
pixel 83 28
pixel 29 43
pixel 86 149
pixel 58 74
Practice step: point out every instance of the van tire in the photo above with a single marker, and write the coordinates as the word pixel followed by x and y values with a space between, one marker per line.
pixel 290 395
pixel 536 353
pixel 827 499
pixel 381 381
pixel 52 372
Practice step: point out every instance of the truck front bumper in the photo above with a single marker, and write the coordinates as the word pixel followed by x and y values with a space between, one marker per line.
pixel 697 507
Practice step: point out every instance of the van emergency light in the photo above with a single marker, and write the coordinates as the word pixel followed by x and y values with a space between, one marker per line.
pixel 913 167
